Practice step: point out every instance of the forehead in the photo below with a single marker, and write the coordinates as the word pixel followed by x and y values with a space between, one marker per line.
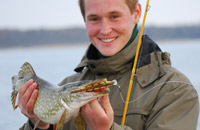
pixel 104 6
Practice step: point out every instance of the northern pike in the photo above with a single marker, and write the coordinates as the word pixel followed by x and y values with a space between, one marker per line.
pixel 58 104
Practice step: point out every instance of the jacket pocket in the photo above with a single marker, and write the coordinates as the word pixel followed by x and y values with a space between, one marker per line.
pixel 135 119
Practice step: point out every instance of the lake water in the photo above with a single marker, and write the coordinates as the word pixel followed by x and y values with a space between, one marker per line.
pixel 55 63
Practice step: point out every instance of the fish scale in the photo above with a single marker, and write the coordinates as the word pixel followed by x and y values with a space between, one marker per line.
pixel 47 106
pixel 58 104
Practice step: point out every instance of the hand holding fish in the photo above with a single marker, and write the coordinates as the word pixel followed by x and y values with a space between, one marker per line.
pixel 97 116
pixel 42 101
pixel 26 100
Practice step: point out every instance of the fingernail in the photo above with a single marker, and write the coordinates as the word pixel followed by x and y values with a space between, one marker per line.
pixel 34 84
pixel 30 81
pixel 35 91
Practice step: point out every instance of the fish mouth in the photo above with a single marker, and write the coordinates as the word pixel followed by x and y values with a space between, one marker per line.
pixel 98 87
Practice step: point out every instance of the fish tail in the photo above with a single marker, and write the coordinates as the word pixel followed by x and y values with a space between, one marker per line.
pixel 25 70
pixel 13 99
pixel 14 93
pixel 14 81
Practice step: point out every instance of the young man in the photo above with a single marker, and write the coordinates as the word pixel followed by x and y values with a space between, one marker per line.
pixel 162 98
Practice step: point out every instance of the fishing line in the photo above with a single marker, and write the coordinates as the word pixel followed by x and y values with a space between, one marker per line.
pixel 139 97
pixel 145 30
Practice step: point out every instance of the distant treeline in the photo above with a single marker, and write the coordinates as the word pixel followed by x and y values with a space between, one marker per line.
pixel 181 32
pixel 11 38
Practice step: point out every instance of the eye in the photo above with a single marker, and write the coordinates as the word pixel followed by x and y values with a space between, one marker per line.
pixel 114 16
pixel 93 19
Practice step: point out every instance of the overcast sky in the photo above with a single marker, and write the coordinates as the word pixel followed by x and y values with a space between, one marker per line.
pixel 26 14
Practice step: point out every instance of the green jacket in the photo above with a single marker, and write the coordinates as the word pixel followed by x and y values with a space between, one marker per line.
pixel 162 98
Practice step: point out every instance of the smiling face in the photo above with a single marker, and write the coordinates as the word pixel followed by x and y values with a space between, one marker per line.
pixel 110 24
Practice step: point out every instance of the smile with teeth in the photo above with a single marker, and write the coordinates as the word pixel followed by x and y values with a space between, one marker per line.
pixel 108 40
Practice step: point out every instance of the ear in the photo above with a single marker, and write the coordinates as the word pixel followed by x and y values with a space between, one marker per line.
pixel 137 13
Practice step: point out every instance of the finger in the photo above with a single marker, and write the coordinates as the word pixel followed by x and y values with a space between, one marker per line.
pixel 86 111
pixel 31 101
pixel 96 107
pixel 25 87
pixel 28 93
pixel 23 90
pixel 106 105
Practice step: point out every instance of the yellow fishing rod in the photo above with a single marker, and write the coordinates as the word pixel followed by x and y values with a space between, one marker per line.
pixel 134 65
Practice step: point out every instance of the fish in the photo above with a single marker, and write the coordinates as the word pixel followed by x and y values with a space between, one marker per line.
pixel 59 104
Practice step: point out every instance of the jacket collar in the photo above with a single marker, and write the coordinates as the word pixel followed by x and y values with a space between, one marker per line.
pixel 148 70
pixel 112 64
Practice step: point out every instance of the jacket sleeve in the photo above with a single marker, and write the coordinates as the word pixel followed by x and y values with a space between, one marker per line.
pixel 176 108
pixel 115 126
pixel 29 126
pixel 26 126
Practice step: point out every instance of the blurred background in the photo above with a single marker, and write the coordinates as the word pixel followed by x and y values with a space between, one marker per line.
pixel 51 36
pixel 36 22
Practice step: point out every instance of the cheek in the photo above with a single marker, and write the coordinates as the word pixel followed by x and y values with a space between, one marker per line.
pixel 91 30
pixel 124 30
pixel 125 26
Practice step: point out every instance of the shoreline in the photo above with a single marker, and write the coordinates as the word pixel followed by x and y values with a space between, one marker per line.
pixel 73 45
pixel 43 46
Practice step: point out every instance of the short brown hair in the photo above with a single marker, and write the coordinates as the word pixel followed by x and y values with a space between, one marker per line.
pixel 131 5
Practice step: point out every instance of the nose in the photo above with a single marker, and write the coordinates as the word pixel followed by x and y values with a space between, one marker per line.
pixel 105 27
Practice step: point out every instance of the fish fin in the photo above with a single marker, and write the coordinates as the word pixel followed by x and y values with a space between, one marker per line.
pixel 61 121
pixel 26 69
pixel 36 124
pixel 66 105
pixel 79 122
pixel 13 99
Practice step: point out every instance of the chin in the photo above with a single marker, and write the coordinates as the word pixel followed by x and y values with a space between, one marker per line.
pixel 107 54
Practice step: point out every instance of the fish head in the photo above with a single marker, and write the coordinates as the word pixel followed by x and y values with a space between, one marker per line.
pixel 78 96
